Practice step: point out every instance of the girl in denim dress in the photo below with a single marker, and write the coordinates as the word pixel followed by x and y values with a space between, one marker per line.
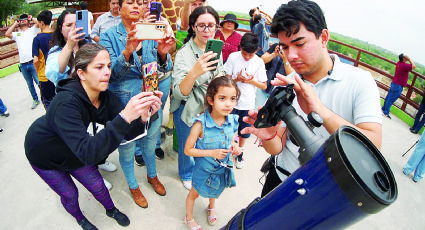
pixel 210 142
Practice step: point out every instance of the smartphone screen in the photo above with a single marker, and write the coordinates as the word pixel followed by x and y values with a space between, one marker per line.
pixel 156 9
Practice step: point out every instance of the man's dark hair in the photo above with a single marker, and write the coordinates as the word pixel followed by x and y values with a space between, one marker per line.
pixel 289 17
pixel 45 16
pixel 401 57
pixel 23 16
pixel 83 5
pixel 249 42
pixel 251 11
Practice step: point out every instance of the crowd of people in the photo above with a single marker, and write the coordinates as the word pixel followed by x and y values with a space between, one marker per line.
pixel 91 86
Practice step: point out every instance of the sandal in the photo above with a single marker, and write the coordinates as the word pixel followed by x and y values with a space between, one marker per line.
pixel 188 222
pixel 211 218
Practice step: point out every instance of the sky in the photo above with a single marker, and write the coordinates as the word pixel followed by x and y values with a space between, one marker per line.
pixel 398 26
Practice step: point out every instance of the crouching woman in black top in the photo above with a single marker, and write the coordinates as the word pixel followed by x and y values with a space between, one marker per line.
pixel 83 125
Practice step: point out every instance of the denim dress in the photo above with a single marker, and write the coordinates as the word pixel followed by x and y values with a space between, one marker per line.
pixel 209 177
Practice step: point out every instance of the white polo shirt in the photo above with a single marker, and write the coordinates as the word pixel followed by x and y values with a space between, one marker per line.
pixel 24 42
pixel 350 92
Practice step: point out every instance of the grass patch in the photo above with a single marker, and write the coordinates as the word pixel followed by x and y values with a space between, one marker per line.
pixel 9 70
pixel 403 116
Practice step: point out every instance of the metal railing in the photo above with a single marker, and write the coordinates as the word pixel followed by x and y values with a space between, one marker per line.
pixel 405 102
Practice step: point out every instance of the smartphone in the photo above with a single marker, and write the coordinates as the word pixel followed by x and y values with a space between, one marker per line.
pixel 156 9
pixel 150 31
pixel 216 46
pixel 83 21
pixel 150 77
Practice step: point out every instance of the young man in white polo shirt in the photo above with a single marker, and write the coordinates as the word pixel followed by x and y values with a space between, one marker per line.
pixel 249 72
pixel 340 93
pixel 24 40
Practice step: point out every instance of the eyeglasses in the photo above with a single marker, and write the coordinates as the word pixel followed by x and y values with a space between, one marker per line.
pixel 203 27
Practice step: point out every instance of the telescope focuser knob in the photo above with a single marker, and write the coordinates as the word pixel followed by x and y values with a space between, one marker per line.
pixel 315 119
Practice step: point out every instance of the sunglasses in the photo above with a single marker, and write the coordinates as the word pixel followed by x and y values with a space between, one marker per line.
pixel 223 164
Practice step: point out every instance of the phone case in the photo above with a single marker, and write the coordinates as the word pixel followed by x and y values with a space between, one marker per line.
pixel 82 21
pixel 150 77
pixel 156 9
pixel 216 46
pixel 150 31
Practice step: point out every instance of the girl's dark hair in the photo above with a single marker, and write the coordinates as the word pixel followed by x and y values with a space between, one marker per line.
pixel 217 83
pixel 195 15
pixel 59 39
pixel 85 56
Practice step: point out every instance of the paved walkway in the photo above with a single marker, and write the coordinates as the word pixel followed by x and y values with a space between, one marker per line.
pixel 28 203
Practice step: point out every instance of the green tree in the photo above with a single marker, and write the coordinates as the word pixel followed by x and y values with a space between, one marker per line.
pixel 10 7
pixel 33 9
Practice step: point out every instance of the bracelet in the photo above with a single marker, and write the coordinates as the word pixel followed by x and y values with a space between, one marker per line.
pixel 287 63
pixel 271 137
pixel 123 116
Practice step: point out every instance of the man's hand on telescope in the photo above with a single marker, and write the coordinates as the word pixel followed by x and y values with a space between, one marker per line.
pixel 262 133
pixel 306 96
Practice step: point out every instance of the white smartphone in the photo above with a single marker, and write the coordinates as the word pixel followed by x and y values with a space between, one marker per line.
pixel 150 31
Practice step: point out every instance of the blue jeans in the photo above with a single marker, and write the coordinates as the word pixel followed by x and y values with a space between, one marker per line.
pixel 186 163
pixel 147 146
pixel 417 161
pixel 30 75
pixel 260 98
pixel 419 123
pixel 3 108
pixel 393 94
pixel 164 86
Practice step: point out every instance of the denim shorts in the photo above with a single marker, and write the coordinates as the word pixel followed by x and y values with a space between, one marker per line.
pixel 242 124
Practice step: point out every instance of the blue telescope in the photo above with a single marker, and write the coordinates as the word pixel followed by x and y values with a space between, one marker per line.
pixel 342 179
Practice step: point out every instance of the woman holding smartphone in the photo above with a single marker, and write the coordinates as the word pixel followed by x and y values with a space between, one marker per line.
pixel 192 73
pixel 129 56
pixel 83 125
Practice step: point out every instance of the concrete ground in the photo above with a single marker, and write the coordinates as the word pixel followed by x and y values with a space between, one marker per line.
pixel 28 203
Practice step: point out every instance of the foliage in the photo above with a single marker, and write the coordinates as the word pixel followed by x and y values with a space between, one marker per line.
pixel 9 8
pixel 33 9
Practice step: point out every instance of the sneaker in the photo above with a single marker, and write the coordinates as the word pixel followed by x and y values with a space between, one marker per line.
pixel 187 184
pixel 239 161
pixel 387 115
pixel 1 130
pixel 413 131
pixel 108 166
pixel 107 184
pixel 159 153
pixel 86 225
pixel 120 217
pixel 416 181
pixel 5 114
pixel 139 160
pixel 34 104
pixel 404 172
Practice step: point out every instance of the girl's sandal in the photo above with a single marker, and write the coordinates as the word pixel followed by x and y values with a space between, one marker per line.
pixel 189 222
pixel 211 218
